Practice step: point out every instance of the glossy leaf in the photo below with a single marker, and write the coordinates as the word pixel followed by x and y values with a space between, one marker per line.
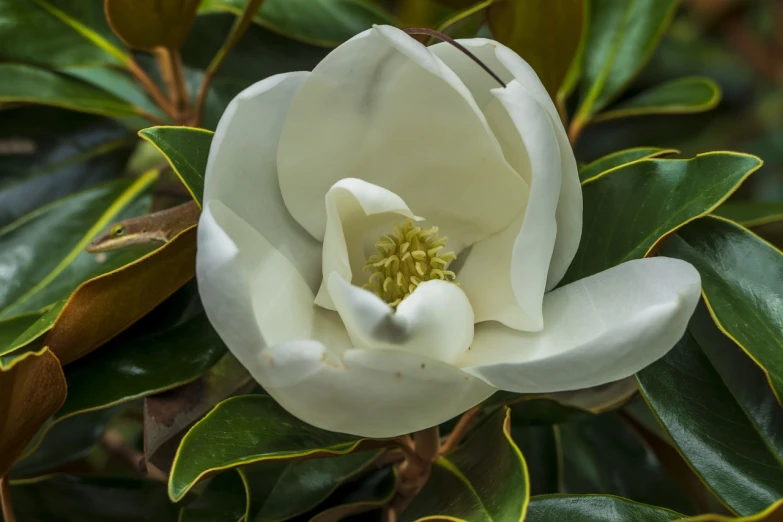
pixel 32 338
pixel 751 213
pixel 682 96
pixel 370 494
pixel 622 36
pixel 541 448
pixel 27 84
pixel 741 279
pixel 546 33
pixel 483 480
pixel 652 198
pixel 90 317
pixel 274 483
pixel 54 238
pixel 620 158
pixel 772 514
pixel 52 153
pixel 13 327
pixel 720 412
pixel 319 22
pixel 594 508
pixel 32 388
pixel 65 498
pixel 245 430
pixel 147 24
pixel 76 34
pixel 186 150
pixel 604 455
pixel 223 500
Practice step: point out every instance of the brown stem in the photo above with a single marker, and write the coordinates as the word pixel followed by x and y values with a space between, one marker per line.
pixel 117 446
pixel 237 30
pixel 170 65
pixel 152 88
pixel 456 435
pixel 180 84
pixel 5 500
pixel 150 117
pixel 574 130
pixel 414 471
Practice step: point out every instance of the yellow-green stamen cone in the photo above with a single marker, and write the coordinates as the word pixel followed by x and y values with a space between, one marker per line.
pixel 406 259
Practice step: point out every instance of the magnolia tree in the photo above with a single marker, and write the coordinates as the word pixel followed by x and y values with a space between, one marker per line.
pixel 324 261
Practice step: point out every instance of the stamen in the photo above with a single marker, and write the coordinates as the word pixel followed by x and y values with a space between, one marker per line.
pixel 406 259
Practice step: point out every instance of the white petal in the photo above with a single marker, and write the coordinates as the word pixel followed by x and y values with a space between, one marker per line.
pixel 252 294
pixel 382 108
pixel 505 275
pixel 242 169
pixel 370 393
pixel 600 329
pixel 357 214
pixel 507 64
pixel 435 321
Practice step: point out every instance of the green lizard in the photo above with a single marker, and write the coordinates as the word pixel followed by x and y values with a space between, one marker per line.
pixel 153 229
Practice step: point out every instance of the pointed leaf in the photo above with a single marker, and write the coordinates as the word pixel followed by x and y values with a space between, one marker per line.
pixel 546 33
pixel 186 149
pixel 751 213
pixel 682 96
pixel 485 479
pixel 653 198
pixel 620 158
pixel 594 508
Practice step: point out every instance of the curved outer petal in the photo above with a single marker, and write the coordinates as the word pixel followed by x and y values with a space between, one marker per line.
pixel 357 214
pixel 436 320
pixel 505 275
pixel 508 65
pixel 242 169
pixel 600 329
pixel 382 108
pixel 371 393
pixel 252 294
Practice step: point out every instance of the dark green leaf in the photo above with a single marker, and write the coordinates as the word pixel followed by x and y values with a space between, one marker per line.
pixel 751 213
pixel 223 500
pixel 186 149
pixel 741 278
pixel 53 240
pixel 13 327
pixel 33 333
pixel 57 33
pixel 245 430
pixel 682 96
pixel 27 84
pixel 63 498
pixel 594 508
pixel 374 491
pixel 318 22
pixel 720 412
pixel 282 489
pixel 485 479
pixel 652 198
pixel 622 36
pixel 546 33
pixel 620 158
pixel 540 445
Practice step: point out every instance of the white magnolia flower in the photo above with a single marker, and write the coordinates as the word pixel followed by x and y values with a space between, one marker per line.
pixel 323 261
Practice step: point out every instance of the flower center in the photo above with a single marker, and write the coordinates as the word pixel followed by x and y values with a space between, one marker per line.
pixel 405 259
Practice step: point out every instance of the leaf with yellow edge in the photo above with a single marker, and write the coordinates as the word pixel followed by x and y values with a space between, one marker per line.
pixel 104 306
pixel 147 24
pixel 546 33
pixel 32 388
pixel 773 513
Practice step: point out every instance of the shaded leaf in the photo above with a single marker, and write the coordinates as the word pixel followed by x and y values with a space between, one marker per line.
pixel 186 150
pixel 223 500
pixel 751 213
pixel 147 24
pixel 373 492
pixel 620 158
pixel 720 412
pixel 594 508
pixel 622 36
pixel 26 84
pixel 32 338
pixel 13 327
pixel 249 429
pixel 540 446
pixel 681 96
pixel 32 388
pixel 771 514
pixel 483 480
pixel 546 33
pixel 741 279
pixel 653 198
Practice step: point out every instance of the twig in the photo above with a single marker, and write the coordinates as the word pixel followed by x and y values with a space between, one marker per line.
pixel 414 471
pixel 574 130
pixel 151 87
pixel 5 500
pixel 117 446
pixel 151 117
pixel 456 435
pixel 237 30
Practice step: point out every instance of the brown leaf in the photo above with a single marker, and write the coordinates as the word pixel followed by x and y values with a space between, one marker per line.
pixel 106 305
pixel 32 388
pixel 546 33
pixel 147 24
